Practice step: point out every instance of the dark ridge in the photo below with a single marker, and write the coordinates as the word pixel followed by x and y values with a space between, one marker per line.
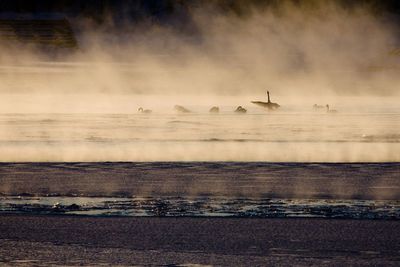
pixel 166 10
pixel 41 33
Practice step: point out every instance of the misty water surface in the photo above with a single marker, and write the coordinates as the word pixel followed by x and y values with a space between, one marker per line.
pixel 361 133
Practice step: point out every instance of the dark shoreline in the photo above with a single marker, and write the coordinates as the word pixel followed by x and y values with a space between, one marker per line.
pixel 58 215
pixel 74 240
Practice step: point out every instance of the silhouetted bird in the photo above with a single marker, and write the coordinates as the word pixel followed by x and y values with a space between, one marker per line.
pixel 330 110
pixel 269 105
pixel 141 110
pixel 318 107
pixel 181 109
pixel 240 109
pixel 214 110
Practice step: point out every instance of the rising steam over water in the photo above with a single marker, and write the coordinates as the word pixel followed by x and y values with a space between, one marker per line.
pixel 82 106
pixel 294 133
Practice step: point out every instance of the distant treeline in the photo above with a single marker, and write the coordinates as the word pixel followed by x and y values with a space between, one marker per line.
pixel 136 10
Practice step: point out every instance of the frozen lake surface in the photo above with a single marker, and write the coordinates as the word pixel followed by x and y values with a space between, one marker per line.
pixel 203 189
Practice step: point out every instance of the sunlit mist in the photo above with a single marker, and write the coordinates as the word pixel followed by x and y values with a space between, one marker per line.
pixel 83 104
